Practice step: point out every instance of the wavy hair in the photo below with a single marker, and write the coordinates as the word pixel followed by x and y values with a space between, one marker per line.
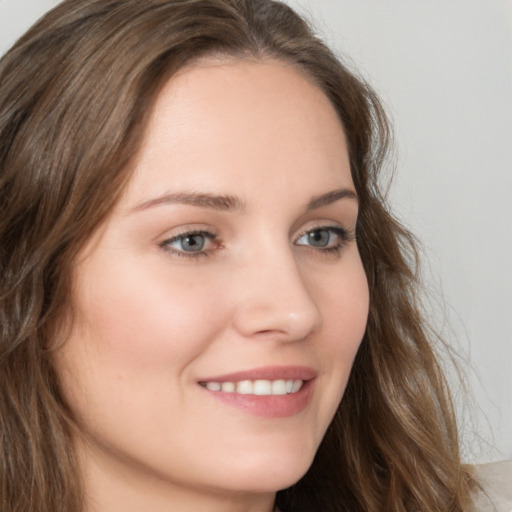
pixel 75 95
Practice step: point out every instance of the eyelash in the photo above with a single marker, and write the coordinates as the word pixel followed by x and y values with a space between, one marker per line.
pixel 343 237
pixel 209 235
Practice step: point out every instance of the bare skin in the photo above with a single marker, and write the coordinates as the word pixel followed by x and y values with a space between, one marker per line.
pixel 231 255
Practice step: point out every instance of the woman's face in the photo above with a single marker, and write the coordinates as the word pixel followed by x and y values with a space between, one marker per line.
pixel 219 309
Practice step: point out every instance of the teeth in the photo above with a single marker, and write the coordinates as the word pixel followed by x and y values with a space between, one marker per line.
pixel 262 387
pixel 297 384
pixel 245 387
pixel 228 387
pixel 257 387
pixel 279 387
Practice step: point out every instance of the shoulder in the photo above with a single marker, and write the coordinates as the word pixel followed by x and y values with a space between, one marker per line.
pixel 495 493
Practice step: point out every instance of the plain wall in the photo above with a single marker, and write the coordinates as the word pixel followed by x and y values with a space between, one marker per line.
pixel 444 70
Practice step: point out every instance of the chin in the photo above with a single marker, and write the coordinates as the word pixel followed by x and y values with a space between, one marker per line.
pixel 272 473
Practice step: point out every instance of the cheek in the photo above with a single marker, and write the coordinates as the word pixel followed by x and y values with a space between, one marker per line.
pixel 132 347
pixel 344 306
pixel 149 317
pixel 126 367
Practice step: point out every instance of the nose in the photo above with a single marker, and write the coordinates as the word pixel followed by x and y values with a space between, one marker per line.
pixel 273 300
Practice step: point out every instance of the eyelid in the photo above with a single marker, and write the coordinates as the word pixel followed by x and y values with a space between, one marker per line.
pixel 185 231
pixel 347 233
pixel 344 236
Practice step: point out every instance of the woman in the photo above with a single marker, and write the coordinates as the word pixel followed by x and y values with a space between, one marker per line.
pixel 206 304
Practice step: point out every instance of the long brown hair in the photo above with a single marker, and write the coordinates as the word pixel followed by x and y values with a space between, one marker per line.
pixel 75 93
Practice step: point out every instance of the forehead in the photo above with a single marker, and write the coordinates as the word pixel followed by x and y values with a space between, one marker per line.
pixel 220 120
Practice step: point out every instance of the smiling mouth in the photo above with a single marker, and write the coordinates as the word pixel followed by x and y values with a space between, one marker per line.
pixel 269 392
pixel 258 387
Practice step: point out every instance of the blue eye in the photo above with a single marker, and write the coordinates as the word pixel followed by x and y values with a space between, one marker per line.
pixel 189 244
pixel 318 237
pixel 324 238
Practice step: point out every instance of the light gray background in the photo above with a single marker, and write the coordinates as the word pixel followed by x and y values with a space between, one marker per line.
pixel 444 70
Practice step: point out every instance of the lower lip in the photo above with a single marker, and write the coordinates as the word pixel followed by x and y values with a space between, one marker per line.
pixel 268 406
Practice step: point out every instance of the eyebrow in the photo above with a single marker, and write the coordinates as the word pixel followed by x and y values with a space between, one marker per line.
pixel 233 203
pixel 331 197
pixel 202 200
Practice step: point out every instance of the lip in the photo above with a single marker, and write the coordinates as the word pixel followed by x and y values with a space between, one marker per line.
pixel 304 373
pixel 267 406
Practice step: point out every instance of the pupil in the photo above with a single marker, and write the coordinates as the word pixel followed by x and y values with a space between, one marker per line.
pixel 193 242
pixel 319 238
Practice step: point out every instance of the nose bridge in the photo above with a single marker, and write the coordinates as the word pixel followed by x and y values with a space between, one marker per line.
pixel 274 297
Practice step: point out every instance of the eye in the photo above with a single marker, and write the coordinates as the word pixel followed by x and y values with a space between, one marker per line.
pixel 193 243
pixel 326 238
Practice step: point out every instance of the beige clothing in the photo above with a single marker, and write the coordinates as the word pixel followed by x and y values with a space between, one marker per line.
pixel 496 482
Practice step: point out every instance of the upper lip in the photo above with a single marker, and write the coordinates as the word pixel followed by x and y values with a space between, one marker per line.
pixel 266 373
